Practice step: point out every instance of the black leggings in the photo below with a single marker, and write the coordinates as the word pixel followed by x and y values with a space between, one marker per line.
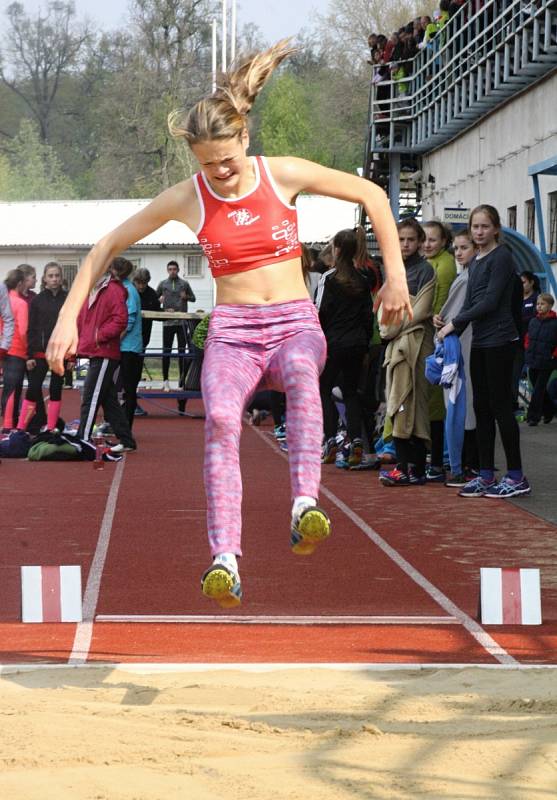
pixel 491 370
pixel 411 451
pixel 35 379
pixel 131 366
pixel 168 333
pixel 347 362
pixel 540 402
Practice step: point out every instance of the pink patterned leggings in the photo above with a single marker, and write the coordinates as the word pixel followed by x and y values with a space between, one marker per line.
pixel 283 347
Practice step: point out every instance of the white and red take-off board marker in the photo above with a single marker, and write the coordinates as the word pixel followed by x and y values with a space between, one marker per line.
pixel 51 594
pixel 510 596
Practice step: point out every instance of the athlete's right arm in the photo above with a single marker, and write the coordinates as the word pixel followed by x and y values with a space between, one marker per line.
pixel 177 203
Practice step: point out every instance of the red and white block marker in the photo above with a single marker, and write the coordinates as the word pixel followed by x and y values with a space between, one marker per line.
pixel 510 596
pixel 51 594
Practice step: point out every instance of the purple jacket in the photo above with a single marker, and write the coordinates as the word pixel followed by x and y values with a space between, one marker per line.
pixel 103 317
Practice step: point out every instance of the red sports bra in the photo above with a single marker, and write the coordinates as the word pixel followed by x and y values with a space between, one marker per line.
pixel 246 232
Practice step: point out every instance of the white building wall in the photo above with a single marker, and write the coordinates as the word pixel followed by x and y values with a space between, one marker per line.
pixel 489 163
pixel 154 260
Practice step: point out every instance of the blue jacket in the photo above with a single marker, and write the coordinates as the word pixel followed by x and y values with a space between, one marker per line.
pixel 446 367
pixel 132 342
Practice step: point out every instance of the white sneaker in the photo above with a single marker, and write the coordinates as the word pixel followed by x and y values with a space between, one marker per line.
pixel 122 448
pixel 166 386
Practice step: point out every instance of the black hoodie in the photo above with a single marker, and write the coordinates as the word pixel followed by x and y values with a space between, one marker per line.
pixel 346 318
pixel 43 315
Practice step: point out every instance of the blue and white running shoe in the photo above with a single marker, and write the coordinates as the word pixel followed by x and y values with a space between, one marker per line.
pixel 476 487
pixel 507 487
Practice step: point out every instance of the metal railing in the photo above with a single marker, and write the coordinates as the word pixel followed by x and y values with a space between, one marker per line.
pixel 470 67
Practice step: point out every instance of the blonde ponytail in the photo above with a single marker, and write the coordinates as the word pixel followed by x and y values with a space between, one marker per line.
pixel 223 114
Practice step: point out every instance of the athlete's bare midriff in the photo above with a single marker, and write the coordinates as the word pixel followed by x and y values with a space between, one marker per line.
pixel 273 283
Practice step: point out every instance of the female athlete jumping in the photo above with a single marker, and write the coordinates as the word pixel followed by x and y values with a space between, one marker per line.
pixel 264 325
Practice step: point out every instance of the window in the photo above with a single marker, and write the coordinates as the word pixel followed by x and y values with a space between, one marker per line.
pixel 530 220
pixel 511 217
pixel 553 222
pixel 69 271
pixel 194 266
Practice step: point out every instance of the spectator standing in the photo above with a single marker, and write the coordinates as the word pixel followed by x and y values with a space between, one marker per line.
pixel 541 358
pixel 7 323
pixel 345 313
pixel 30 274
pixel 43 315
pixel 489 307
pixel 16 356
pixel 530 291
pixel 409 343
pixel 149 302
pixel 131 344
pixel 174 294
pixel 101 322
pixel 435 249
pixel 465 447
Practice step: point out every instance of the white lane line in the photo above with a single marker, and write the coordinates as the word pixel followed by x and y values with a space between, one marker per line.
pixel 474 628
pixel 150 668
pixel 84 630
pixel 247 619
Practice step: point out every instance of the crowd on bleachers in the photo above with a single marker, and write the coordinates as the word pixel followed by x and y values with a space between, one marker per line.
pixel 391 56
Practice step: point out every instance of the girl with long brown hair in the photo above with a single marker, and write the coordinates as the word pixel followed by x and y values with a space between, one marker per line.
pixel 345 312
pixel 264 324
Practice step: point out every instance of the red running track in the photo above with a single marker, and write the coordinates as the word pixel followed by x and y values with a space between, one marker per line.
pixel 404 553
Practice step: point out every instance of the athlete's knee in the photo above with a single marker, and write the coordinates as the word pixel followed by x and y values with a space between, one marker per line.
pixel 221 422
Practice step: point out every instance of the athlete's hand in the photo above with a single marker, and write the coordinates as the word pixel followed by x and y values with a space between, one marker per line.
pixel 62 344
pixel 394 300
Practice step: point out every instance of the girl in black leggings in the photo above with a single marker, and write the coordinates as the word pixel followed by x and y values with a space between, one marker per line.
pixel 489 307
pixel 43 314
pixel 346 316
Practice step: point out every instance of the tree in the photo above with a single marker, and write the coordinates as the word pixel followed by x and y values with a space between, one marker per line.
pixel 30 170
pixel 167 65
pixel 37 53
pixel 285 126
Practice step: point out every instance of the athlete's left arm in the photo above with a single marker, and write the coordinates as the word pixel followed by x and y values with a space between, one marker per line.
pixel 295 175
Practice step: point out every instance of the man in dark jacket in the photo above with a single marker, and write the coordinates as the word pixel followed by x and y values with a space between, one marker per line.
pixel 101 322
pixel 541 358
pixel 174 294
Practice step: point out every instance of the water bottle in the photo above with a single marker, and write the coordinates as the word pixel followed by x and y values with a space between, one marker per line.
pixel 98 441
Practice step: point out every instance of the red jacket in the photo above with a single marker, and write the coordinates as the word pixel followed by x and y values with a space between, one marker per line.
pixel 103 317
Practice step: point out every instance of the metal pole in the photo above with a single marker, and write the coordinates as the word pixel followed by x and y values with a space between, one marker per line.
pixel 233 33
pixel 394 183
pixel 214 58
pixel 224 35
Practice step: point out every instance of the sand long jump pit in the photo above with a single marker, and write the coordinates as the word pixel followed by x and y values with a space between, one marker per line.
pixel 131 733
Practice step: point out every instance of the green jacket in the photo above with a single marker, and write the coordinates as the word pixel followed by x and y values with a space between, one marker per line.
pixel 445 272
